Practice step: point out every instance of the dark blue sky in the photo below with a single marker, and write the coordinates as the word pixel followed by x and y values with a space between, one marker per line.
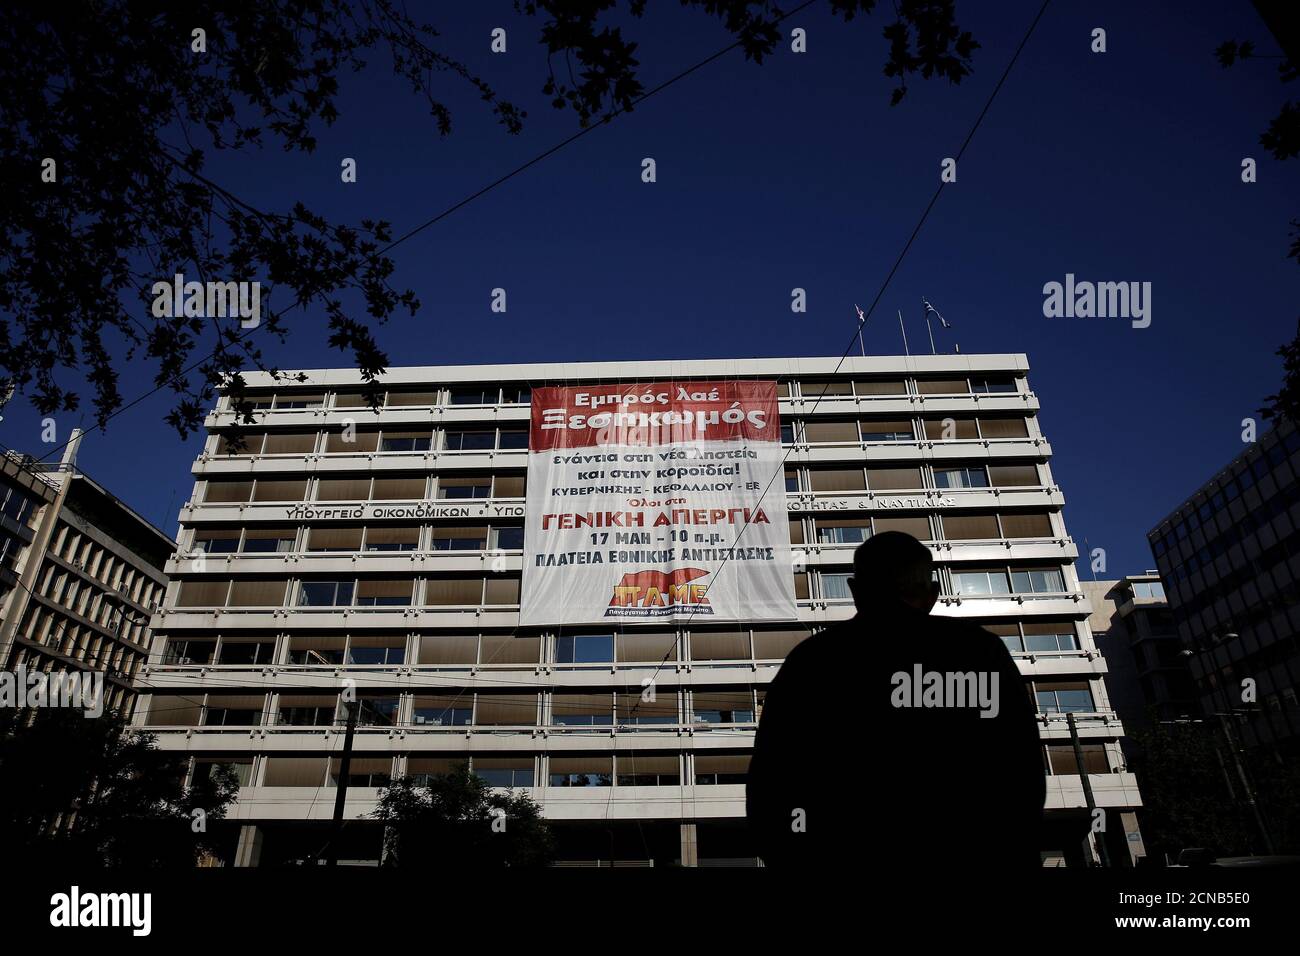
pixel 1115 166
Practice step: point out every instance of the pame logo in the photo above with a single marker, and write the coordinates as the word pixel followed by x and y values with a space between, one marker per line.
pixel 659 593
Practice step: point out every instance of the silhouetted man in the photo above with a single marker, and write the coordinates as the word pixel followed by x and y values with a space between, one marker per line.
pixel 897 739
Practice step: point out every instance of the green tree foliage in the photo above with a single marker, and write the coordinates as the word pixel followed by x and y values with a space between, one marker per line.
pixel 83 791
pixel 457 819
pixel 1282 139
pixel 115 93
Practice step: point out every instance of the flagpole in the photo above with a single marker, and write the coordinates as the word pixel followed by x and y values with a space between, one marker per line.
pixel 904 331
pixel 930 329
pixel 862 320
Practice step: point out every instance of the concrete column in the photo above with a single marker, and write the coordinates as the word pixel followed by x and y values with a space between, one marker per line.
pixel 690 845
pixel 249 850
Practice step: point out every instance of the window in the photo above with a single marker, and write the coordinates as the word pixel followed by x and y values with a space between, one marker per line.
pixel 842 530
pixel 476 440
pixel 460 539
pixel 398 489
pixel 202 594
pixel 1037 581
pixel 334 539
pixel 992 386
pixel 404 441
pixel 718 769
pixel 456 488
pixel 408 399
pixel 247 652
pixel 325 593
pixel 961 478
pixel 821 432
pixel 473 395
pixel 787 433
pixel 836 586
pixel 443 711
pixel 581 772
pixel 269 540
pixel 887 431
pixel 1027 526
pixel 232 717
pixel 582 710
pixel 942 386
pixel 501 590
pixel 918 526
pixel 950 429
pixel 893 479
pixel 881 386
pixel 257 593
pixel 976 583
pixel 633 711
pixel 584 649
pixel 791 480
pixel 377 711
pixel 838 479
pixel 509 538
pixel 497 772
pixel 1013 476
pixel 227 491
pixel 647 770
pixel 320 651
pixel 280 490
pixel 392 539
pixel 1064 698
pixel 217 542
pixel 373 772
pixel 970 527
pixel 1149 589
pixel 509 486
pixel 1050 638
pixel 294 443
pixel 371 650
pixel 1061 759
pixel 384 593
pixel 243 443
pixel 513 438
pixel 351 442
pixel 516 395
pixel 453 592
pixel 1003 428
pixel 723 708
pixel 827 389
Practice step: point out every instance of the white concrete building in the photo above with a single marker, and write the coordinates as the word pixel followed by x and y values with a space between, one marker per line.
pixel 394 561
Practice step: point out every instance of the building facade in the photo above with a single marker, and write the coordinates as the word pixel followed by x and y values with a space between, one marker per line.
pixel 335 546
pixel 81 574
pixel 1148 676
pixel 1230 559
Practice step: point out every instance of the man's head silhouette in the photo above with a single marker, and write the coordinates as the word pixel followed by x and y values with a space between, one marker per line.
pixel 893 567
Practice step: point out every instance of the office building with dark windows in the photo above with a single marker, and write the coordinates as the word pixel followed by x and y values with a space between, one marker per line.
pixel 81 574
pixel 338 545
pixel 1147 671
pixel 1230 559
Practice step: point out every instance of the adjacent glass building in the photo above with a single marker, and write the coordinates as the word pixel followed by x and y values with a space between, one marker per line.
pixel 1230 559
pixel 335 546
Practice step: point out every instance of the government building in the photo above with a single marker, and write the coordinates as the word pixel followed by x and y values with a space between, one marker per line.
pixel 335 548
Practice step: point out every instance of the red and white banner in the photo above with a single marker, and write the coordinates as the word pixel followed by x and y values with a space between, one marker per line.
pixel 638 496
